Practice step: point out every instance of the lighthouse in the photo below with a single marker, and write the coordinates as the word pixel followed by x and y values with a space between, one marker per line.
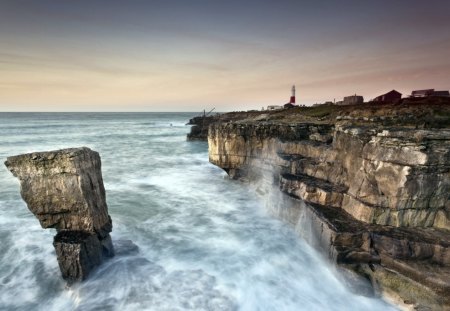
pixel 292 101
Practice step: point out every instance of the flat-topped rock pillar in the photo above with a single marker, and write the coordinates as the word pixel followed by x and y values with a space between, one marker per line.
pixel 64 190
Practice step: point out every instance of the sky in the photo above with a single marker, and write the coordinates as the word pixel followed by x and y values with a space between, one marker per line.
pixel 180 55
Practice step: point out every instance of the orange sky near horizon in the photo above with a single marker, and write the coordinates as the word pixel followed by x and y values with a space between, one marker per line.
pixel 174 57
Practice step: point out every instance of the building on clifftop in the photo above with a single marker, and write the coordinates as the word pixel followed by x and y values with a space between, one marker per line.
pixel 291 102
pixel 422 93
pixel 274 107
pixel 391 96
pixel 351 100
pixel 441 93
pixel 429 92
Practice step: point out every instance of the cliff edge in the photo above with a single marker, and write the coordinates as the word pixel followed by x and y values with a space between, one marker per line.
pixel 367 185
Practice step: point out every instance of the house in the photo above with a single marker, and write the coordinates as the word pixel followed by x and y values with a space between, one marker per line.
pixel 351 100
pixel 441 93
pixel 422 93
pixel 274 107
pixel 429 92
pixel 391 96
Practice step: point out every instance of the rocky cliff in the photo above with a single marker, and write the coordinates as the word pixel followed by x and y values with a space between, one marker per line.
pixel 371 197
pixel 64 190
pixel 200 124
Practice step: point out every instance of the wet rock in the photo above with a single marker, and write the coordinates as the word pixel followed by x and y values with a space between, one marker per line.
pixel 397 177
pixel 375 199
pixel 199 129
pixel 64 190
pixel 78 253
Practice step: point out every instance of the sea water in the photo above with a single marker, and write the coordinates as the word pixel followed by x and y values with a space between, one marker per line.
pixel 205 242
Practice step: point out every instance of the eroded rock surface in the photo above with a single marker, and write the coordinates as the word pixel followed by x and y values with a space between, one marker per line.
pixel 398 177
pixel 64 190
pixel 370 197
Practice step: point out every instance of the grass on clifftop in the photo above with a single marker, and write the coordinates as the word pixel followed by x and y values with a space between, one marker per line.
pixel 416 113
pixel 319 111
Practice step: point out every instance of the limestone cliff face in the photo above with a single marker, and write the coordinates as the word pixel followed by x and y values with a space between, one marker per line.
pixel 380 176
pixel 373 199
pixel 64 190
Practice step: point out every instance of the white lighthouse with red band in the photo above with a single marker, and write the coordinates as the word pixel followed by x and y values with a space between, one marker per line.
pixel 292 101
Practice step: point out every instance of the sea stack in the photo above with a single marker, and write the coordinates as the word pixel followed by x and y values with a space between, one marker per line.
pixel 64 190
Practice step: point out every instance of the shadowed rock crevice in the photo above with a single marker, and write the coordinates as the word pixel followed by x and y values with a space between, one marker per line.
pixel 64 190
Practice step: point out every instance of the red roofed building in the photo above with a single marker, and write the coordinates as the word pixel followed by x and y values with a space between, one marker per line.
pixel 391 96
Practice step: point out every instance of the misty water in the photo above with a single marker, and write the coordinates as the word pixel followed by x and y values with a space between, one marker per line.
pixel 205 242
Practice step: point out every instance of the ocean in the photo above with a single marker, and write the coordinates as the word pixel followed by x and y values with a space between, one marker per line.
pixel 205 242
